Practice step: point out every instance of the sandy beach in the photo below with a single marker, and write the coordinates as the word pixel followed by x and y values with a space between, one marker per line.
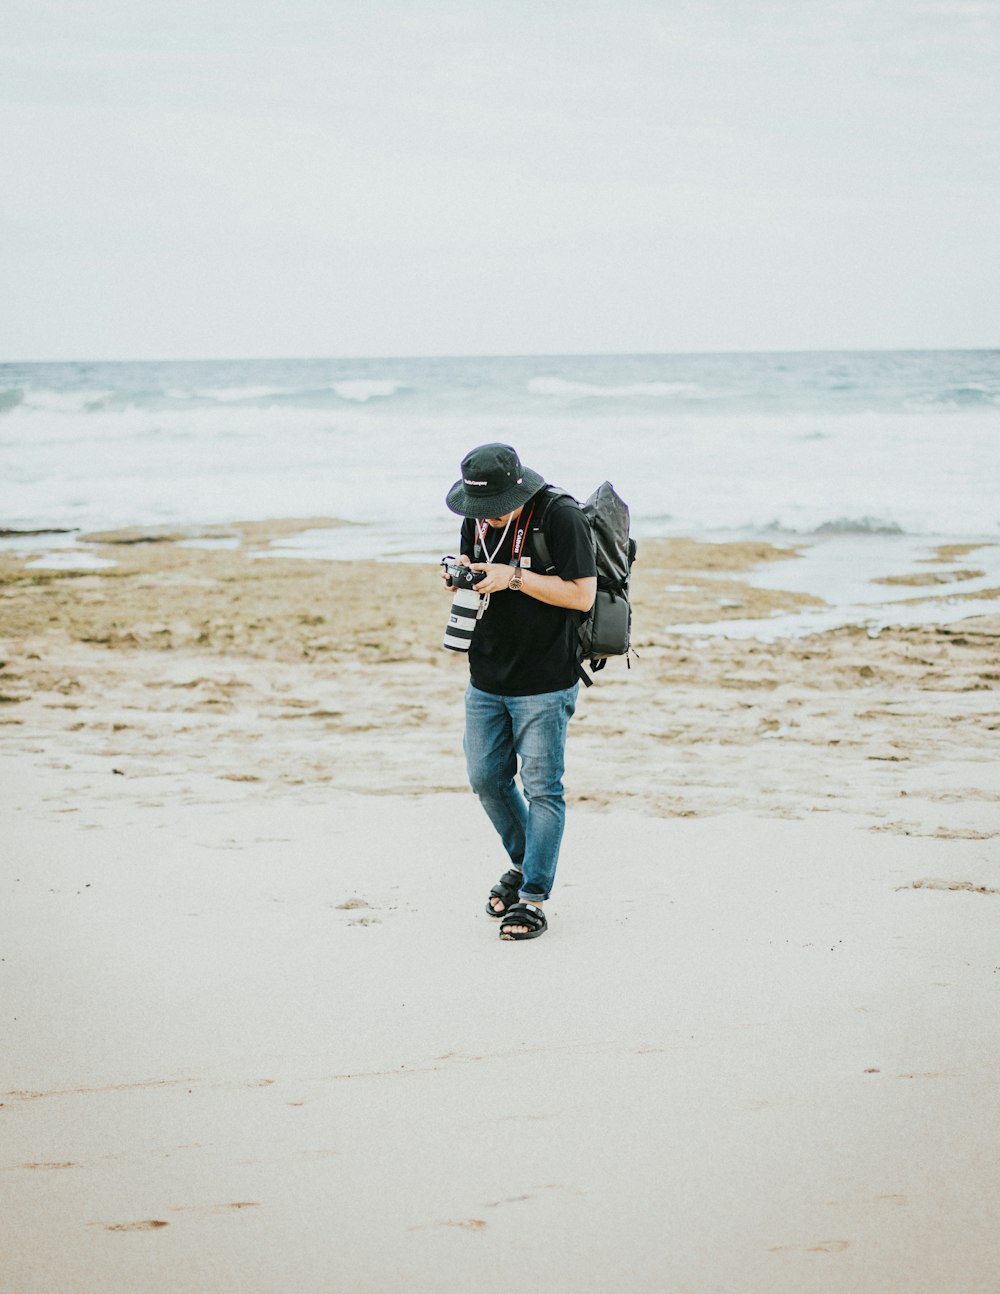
pixel 261 1035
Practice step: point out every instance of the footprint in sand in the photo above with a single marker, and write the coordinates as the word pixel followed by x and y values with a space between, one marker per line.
pixel 350 905
pixel 932 883
pixel 150 1224
pixel 464 1224
pixel 232 1206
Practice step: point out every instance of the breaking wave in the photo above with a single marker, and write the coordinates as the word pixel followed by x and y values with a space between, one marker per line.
pixel 234 394
pixel 43 400
pixel 73 403
pixel 559 386
pixel 356 390
pixel 971 395
pixel 361 390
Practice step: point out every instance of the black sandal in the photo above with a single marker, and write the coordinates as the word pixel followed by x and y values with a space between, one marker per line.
pixel 507 890
pixel 524 914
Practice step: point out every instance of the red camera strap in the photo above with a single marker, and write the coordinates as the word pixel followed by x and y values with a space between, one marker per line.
pixel 520 536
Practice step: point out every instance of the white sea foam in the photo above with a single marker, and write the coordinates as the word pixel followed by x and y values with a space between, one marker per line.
pixel 361 390
pixel 236 394
pixel 357 391
pixel 557 386
pixel 69 402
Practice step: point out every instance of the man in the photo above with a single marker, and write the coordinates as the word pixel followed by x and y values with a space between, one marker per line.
pixel 523 668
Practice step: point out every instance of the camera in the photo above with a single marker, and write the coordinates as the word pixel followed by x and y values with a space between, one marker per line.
pixel 459 575
pixel 466 607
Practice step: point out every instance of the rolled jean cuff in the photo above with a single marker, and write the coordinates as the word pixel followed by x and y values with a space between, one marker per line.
pixel 524 897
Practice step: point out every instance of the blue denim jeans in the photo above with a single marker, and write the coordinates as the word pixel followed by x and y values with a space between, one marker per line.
pixel 499 731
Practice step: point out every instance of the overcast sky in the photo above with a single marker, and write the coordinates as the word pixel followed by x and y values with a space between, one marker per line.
pixel 198 178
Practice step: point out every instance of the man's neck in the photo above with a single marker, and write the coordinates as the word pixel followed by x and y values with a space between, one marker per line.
pixel 509 521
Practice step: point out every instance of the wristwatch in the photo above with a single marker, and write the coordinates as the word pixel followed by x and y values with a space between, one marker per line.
pixel 516 583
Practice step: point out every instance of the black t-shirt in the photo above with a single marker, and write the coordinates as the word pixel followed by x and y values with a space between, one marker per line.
pixel 523 647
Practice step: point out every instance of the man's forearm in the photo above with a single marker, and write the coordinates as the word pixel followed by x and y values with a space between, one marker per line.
pixel 575 595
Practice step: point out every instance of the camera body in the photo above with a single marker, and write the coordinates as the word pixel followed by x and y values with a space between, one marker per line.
pixel 461 576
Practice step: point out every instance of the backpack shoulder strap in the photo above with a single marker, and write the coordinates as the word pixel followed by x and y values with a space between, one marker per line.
pixel 542 551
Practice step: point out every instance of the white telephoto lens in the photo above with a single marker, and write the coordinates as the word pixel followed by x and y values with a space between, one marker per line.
pixel 462 620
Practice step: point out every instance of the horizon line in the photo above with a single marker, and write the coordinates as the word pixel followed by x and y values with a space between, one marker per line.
pixel 474 355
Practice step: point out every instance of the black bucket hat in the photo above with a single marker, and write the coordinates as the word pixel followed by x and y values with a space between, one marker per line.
pixel 494 482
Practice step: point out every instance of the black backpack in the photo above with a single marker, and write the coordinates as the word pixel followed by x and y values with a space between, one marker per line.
pixel 606 628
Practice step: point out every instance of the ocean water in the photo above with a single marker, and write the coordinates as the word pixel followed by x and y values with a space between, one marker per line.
pixel 875 456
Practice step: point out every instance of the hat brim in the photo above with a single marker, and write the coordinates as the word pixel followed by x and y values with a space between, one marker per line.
pixel 465 504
